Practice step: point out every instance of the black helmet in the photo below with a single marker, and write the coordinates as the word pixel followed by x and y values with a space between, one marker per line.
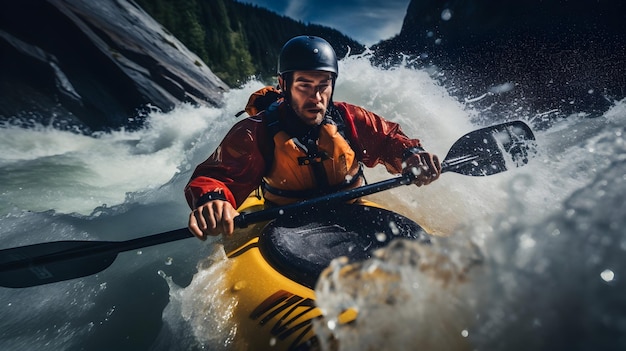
pixel 307 53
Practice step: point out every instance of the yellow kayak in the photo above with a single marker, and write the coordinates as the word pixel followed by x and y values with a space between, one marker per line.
pixel 275 266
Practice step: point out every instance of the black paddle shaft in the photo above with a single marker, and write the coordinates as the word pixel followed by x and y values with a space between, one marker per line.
pixel 482 152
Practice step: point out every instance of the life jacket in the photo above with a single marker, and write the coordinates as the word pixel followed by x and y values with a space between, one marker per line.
pixel 260 100
pixel 320 163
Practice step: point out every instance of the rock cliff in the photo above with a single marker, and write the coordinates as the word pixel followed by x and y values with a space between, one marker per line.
pixel 93 65
pixel 544 54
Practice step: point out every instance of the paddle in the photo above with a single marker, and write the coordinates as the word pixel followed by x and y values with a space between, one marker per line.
pixel 482 152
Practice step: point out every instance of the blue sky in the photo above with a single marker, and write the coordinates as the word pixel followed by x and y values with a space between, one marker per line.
pixel 367 21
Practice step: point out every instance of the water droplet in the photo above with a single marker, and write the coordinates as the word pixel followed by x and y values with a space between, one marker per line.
pixel 446 14
pixel 239 285
pixel 331 324
pixel 464 333
pixel 526 241
pixel 381 237
pixel 168 261
pixel 607 275
pixel 394 228
pixel 139 252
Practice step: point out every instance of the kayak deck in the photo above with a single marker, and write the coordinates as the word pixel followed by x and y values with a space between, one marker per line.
pixel 275 266
pixel 302 245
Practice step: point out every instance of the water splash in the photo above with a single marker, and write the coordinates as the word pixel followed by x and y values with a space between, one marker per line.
pixel 538 278
pixel 408 294
pixel 199 316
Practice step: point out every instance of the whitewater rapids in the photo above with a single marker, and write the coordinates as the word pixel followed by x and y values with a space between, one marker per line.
pixel 527 259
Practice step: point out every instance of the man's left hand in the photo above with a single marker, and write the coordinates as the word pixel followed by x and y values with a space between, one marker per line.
pixel 423 166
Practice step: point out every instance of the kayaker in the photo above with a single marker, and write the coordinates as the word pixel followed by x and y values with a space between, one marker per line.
pixel 302 146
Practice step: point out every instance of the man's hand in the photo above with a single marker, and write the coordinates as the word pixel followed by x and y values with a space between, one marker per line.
pixel 424 167
pixel 213 218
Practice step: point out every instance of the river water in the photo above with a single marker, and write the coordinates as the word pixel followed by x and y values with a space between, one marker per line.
pixel 530 259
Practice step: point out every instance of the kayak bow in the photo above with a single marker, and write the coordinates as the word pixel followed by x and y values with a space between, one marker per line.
pixel 272 275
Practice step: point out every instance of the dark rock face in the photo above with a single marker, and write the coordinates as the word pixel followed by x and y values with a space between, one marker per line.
pixel 93 65
pixel 545 54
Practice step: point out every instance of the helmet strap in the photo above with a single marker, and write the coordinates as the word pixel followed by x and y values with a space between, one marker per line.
pixel 287 79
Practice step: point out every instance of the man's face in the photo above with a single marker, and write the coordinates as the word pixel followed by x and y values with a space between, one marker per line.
pixel 310 95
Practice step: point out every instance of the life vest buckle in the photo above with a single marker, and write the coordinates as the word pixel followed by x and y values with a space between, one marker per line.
pixel 310 159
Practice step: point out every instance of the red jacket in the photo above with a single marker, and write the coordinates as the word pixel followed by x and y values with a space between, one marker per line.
pixel 238 165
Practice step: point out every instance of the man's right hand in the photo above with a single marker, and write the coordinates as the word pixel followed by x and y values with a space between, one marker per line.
pixel 213 218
